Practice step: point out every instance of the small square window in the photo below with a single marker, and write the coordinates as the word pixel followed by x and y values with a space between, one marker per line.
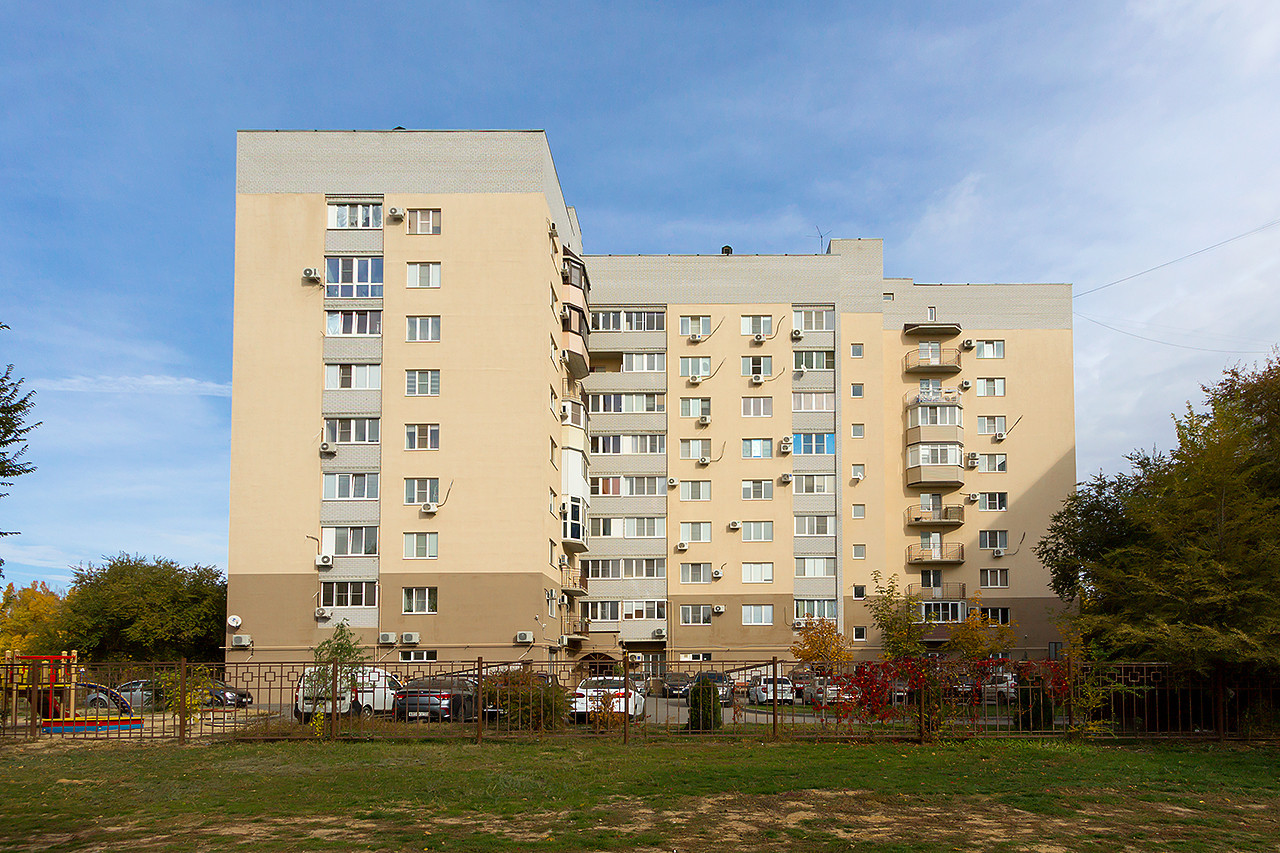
pixel 859 633
pixel 859 510
pixel 858 431
pixel 856 390
pixel 859 552
pixel 887 297
pixel 858 472
pixel 855 350
pixel 859 591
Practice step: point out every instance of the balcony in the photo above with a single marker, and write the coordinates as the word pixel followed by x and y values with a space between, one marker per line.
pixel 947 361
pixel 948 396
pixel 936 555
pixel 946 591
pixel 935 475
pixel 948 515
pixel 576 629
pixel 573 582
pixel 573 524
pixel 932 328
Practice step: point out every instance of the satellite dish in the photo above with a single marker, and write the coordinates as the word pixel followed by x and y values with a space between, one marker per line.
pixel 233 621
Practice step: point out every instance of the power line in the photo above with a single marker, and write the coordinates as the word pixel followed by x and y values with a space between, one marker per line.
pixel 1199 333
pixel 1170 343
pixel 1263 227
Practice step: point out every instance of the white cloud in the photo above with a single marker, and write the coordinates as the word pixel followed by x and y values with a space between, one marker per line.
pixel 183 385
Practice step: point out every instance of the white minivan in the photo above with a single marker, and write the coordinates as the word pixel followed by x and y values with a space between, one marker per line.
pixel 367 690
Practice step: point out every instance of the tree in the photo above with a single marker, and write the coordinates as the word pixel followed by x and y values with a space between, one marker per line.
pixel 29 619
pixel 979 637
pixel 821 642
pixel 131 608
pixel 15 406
pixel 897 616
pixel 1179 560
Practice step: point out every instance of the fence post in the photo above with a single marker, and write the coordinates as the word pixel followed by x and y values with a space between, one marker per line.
pixel 333 700
pixel 626 700
pixel 774 693
pixel 182 702
pixel 921 692
pixel 479 699
pixel 35 671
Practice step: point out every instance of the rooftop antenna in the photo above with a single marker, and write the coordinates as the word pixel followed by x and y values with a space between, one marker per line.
pixel 822 235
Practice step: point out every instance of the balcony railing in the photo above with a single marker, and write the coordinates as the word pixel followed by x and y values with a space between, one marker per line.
pixel 945 553
pixel 949 514
pixel 573 582
pixel 576 628
pixel 943 395
pixel 946 591
pixel 946 361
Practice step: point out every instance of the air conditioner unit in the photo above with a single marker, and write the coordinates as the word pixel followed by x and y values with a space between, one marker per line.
pixel 997 552
pixel 784 447
pixel 797 334
pixel 564 357
pixel 682 546
pixel 387 638
pixel 565 313
pixel 564 562
pixel 719 608
pixel 799 623
pixel 735 525
pixel 564 599
pixel 673 481
pixel 786 478
pixel 395 213
pixel 716 574
pixel 410 638
pixel 552 232
pixel 998 436
pixel 311 273
pixel 704 460
pixel 328 448
pixel 705 420
pixel 696 338
pixel 323 613
pixel 524 636
pixel 965 384
pixel 972 460
pixel 757 379
pixel 635 657
pixel 564 639
pixel 430 507
pixel 324 561
pixel 968 343
pixel 241 641
pixel 973 497
pixel 759 339
pixel 659 633
pixel 695 380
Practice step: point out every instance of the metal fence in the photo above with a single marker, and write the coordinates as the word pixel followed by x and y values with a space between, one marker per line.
pixel 921 700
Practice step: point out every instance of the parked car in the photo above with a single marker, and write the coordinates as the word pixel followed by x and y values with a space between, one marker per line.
pixel 999 688
pixel 221 694
pixel 368 690
pixel 675 685
pixel 594 695
pixel 142 695
pixel 436 698
pixel 763 690
pixel 829 691
pixel 724 685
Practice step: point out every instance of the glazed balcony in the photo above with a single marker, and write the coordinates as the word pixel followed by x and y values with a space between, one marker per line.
pixel 940 516
pixel 947 361
pixel 947 552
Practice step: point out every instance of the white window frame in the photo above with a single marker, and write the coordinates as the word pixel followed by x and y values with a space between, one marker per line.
pixel 992 539
pixel 757 614
pixel 859 511
pixel 419 600
pixel 757 448
pixel 813 401
pixel 816 608
pixel 695 448
pixel 814 359
pixel 644 362
pixel 695 324
pixel 414 277
pixel 358 487
pixel 757 572
pixel 695 366
pixel 857 390
pixel 352 428
pixel 423 221
pixel 695 407
pixel 815 567
pixel 422 436
pixel 757 324
pixel 857 430
pixel 695 614
pixel 695 573
pixel 761 364
pixel 990 424
pixel 991 386
pixel 342 593
pixel 993 463
pixel 989 349
pixel 993 578
pixel 695 531
pixel 358 377
pixel 757 531
pixel 855 350
pixel 428 543
pixel 813 484
pixel 814 319
pixel 695 490
pixel 422 329
pixel 416 487
pixel 757 407
pixel 858 552
pixel 757 490
pixel 602 611
pixel 353 324
pixel 368 215
pixel 353 277
pixel 993 501
pixel 815 525
pixel 413 383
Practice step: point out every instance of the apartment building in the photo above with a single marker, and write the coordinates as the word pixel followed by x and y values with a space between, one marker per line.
pixel 465 437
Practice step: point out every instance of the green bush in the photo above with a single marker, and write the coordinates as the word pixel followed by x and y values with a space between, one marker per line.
pixel 526 701
pixel 704 707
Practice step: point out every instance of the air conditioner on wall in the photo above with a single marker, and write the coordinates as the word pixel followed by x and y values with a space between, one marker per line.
pixel 395 213
pixel 565 313
pixel 797 334
pixel 998 436
pixel 695 380
pixel 564 562
pixel 786 478
pixel 719 608
pixel 311 274
pixel 799 623
pixel 716 574
pixel 323 613
pixel 735 525
pixel 659 633
pixel 564 639
pixel 965 384
pixel 673 481
pixel 524 637
pixel 696 339
pixel 705 420
pixel 704 460
pixel 430 507
pixel 410 638
pixel 757 379
pixel 387 638
pixel 327 448
pixel 324 561
pixel 968 343
pixel 682 546
pixel 241 641
pixel 997 552
pixel 973 497
pixel 635 657
pixel 759 339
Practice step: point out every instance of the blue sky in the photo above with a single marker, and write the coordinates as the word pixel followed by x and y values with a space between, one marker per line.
pixel 1077 142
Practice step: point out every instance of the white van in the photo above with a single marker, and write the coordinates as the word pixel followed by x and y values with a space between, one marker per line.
pixel 368 690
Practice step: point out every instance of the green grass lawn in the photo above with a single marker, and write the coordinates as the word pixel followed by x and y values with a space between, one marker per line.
pixel 597 795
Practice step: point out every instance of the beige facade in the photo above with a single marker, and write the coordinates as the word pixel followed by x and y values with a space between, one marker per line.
pixel 667 482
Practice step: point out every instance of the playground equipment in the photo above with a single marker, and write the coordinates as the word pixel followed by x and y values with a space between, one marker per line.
pixel 50 684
